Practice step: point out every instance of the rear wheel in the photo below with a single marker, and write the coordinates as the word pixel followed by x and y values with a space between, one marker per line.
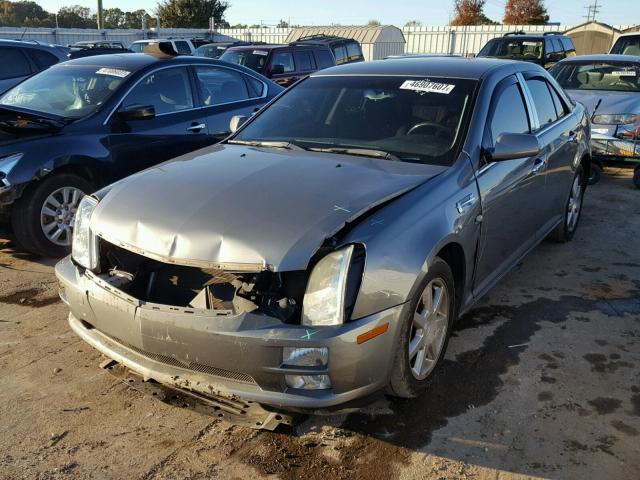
pixel 565 231
pixel 595 174
pixel 43 218
pixel 424 333
pixel 636 176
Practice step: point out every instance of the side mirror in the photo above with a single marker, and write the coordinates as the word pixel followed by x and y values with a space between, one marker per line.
pixel 137 112
pixel 510 146
pixel 236 122
pixel 277 70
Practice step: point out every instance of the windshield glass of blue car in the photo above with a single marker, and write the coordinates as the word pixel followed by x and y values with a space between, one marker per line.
pixel 410 119
pixel 519 49
pixel 614 77
pixel 66 91
pixel 253 59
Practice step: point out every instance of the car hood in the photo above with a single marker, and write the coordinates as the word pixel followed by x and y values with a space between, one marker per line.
pixel 248 208
pixel 612 102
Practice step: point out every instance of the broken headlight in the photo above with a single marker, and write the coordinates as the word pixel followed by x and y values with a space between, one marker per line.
pixel 326 290
pixel 615 119
pixel 84 248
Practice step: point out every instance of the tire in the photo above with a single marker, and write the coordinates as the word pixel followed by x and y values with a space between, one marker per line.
pixel 403 381
pixel 566 229
pixel 27 217
pixel 595 174
pixel 636 177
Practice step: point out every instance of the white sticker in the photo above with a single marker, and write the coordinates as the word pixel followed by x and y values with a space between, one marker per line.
pixel 114 72
pixel 221 48
pixel 624 73
pixel 260 52
pixel 427 86
pixel 531 44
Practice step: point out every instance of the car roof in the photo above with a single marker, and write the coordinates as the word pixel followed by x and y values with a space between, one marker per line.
pixel 29 43
pixel 630 34
pixel 536 36
pixel 602 57
pixel 275 46
pixel 452 67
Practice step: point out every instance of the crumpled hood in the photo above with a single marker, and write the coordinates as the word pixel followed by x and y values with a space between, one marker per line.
pixel 612 102
pixel 246 207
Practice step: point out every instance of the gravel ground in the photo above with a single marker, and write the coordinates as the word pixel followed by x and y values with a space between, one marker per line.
pixel 542 379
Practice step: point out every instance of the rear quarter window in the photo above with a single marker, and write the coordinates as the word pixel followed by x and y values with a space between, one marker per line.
pixel 13 63
pixel 43 59
pixel 325 59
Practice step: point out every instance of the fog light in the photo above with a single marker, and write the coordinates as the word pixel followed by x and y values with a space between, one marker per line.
pixel 307 357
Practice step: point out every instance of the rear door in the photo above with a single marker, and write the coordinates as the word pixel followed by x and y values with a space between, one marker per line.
pixel 15 66
pixel 225 92
pixel 178 127
pixel 510 190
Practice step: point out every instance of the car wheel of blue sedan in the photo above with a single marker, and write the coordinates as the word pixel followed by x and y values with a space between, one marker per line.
pixel 425 332
pixel 42 220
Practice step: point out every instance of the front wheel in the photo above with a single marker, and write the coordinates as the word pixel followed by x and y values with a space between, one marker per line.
pixel 565 231
pixel 595 174
pixel 424 333
pixel 42 219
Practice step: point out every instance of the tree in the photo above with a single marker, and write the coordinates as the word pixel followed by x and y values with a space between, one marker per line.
pixel 413 23
pixel 76 16
pixel 470 12
pixel 282 24
pixel 374 23
pixel 190 13
pixel 525 12
pixel 23 14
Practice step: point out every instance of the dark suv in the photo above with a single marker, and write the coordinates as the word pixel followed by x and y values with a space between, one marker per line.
pixel 345 50
pixel 545 49
pixel 19 60
pixel 284 64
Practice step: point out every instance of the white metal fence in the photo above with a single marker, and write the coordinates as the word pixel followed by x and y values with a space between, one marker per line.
pixel 428 39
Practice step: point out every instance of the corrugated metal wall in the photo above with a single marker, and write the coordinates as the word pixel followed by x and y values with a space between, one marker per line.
pixel 428 39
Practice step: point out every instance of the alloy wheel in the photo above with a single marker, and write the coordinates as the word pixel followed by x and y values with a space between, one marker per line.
pixel 575 204
pixel 58 214
pixel 429 328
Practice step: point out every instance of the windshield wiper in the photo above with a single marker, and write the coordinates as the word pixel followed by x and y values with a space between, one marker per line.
pixel 360 152
pixel 269 144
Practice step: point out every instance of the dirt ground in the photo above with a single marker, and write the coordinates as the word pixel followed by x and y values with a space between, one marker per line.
pixel 542 379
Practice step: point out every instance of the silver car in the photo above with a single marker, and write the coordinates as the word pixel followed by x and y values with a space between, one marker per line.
pixel 609 87
pixel 323 252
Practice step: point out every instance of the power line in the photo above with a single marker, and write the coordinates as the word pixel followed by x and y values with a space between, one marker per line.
pixel 592 11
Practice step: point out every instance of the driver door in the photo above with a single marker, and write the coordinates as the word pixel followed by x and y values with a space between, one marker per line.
pixel 177 128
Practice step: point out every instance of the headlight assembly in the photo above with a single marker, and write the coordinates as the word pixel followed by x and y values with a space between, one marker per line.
pixel 615 119
pixel 326 289
pixel 7 163
pixel 84 248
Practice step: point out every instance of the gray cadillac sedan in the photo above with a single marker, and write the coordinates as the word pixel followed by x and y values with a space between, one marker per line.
pixel 323 252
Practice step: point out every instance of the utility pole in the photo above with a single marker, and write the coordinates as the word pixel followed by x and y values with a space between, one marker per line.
pixel 99 16
pixel 592 11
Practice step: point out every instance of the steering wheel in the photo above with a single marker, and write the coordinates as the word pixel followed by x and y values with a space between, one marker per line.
pixel 439 128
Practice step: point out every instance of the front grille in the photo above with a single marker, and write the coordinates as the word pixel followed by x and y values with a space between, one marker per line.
pixel 196 367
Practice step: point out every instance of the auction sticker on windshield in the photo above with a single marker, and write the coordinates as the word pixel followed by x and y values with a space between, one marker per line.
pixel 624 73
pixel 427 86
pixel 260 52
pixel 114 72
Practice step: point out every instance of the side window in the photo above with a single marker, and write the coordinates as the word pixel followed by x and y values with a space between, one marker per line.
pixel 13 63
pixel 182 48
pixel 569 48
pixel 353 50
pixel 509 114
pixel 221 85
pixel 256 87
pixel 545 107
pixel 167 90
pixel 285 59
pixel 305 61
pixel 560 108
pixel 341 54
pixel 549 46
pixel 42 59
pixel 325 59
pixel 558 48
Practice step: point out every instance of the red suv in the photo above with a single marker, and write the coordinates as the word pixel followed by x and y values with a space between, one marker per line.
pixel 284 64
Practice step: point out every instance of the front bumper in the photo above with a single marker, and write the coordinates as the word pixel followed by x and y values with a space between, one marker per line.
pixel 605 146
pixel 234 356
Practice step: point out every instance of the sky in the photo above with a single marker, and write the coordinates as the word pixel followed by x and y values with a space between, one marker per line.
pixel 394 12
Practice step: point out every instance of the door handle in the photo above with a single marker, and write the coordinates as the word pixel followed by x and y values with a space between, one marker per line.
pixel 196 127
pixel 572 136
pixel 538 164
pixel 465 204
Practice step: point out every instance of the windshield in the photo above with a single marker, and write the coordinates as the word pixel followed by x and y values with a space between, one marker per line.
pixel 627 46
pixel 66 91
pixel 607 76
pixel 410 119
pixel 513 48
pixel 210 51
pixel 253 59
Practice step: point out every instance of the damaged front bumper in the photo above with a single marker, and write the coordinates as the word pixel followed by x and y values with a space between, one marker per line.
pixel 237 356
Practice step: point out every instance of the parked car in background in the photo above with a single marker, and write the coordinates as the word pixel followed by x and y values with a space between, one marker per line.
pixel 627 44
pixel 78 126
pixel 284 64
pixel 324 251
pixel 545 49
pixel 21 59
pixel 215 50
pixel 182 46
pixel 87 49
pixel 199 42
pixel 345 50
pixel 609 86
